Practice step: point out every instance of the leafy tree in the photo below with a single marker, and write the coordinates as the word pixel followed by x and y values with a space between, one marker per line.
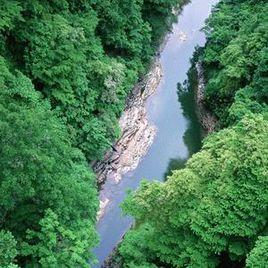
pixel 257 257
pixel 8 249
pixel 40 170
pixel 235 55
pixel 9 13
pixel 126 35
pixel 57 246
pixel 217 204
pixel 245 102
pixel 83 56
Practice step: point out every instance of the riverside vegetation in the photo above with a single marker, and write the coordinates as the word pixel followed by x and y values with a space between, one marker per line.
pixel 213 212
pixel 66 69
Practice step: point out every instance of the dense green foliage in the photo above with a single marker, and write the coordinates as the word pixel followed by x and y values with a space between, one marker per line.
pixel 43 179
pixel 258 257
pixel 84 56
pixel 236 58
pixel 217 206
pixel 66 68
pixel 8 250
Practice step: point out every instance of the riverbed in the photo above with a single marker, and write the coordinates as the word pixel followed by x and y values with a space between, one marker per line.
pixel 178 130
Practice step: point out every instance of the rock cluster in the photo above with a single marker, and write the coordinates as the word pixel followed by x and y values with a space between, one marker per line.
pixel 137 133
pixel 208 121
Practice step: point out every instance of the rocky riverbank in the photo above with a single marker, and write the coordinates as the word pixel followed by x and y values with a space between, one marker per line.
pixel 208 121
pixel 137 134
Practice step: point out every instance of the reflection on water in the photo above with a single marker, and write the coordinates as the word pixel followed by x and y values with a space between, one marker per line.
pixel 194 133
pixel 174 164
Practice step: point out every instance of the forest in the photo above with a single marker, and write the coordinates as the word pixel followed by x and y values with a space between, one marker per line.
pixel 214 212
pixel 67 67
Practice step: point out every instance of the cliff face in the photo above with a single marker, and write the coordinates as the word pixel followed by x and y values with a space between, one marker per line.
pixel 208 120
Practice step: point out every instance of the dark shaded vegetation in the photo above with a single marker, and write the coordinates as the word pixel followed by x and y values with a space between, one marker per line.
pixel 213 213
pixel 186 95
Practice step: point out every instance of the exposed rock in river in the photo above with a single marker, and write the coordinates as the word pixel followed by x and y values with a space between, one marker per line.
pixel 137 133
pixel 103 205
pixel 182 36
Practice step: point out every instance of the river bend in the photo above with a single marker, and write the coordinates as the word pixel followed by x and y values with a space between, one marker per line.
pixel 179 132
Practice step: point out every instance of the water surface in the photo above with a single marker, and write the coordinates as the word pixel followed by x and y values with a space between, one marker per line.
pixel 179 132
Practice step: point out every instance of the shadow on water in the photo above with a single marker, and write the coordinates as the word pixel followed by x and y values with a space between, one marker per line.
pixel 194 133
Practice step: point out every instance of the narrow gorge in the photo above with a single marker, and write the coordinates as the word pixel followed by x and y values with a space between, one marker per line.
pixel 158 133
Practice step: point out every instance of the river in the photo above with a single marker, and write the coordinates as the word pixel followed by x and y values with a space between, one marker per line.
pixel 179 132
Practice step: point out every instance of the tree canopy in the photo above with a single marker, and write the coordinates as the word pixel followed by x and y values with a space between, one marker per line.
pixel 42 176
pixel 84 57
pixel 258 255
pixel 217 204
pixel 236 55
